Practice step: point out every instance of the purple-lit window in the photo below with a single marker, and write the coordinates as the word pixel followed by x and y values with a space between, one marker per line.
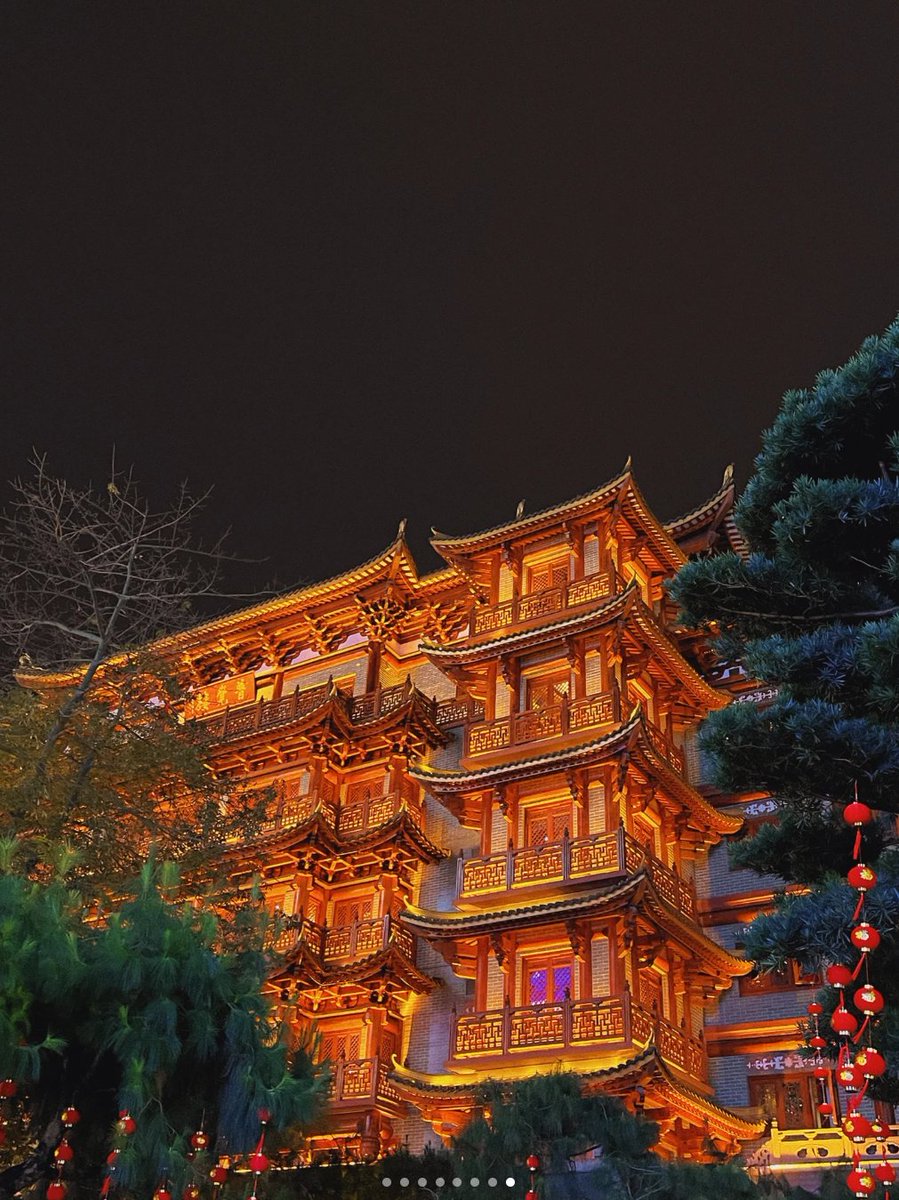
pixel 549 983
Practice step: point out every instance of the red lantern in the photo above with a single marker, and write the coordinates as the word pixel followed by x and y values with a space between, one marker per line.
pixel 530 1196
pixel 850 1077
pixel 533 1162
pixel 199 1140
pixel 856 1127
pixel 857 814
pixel 826 1110
pixel 865 937
pixel 70 1116
pixel 191 1192
pixel 64 1152
pixel 815 1009
pixel 162 1193
pixel 880 1129
pixel 218 1174
pixel 258 1163
pixel 818 1042
pixel 838 976
pixel 56 1190
pixel 868 1000
pixel 886 1173
pixel 821 1072
pixel 126 1124
pixel 870 1062
pixel 861 1182
pixel 843 1022
pixel 862 878
pixel 264 1116
pixel 8 1089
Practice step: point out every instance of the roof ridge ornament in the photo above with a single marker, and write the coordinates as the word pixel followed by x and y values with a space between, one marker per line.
pixel 519 511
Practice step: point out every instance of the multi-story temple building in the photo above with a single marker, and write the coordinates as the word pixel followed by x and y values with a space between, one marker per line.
pixel 492 839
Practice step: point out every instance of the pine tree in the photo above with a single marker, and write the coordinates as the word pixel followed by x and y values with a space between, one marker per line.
pixel 145 1013
pixel 814 610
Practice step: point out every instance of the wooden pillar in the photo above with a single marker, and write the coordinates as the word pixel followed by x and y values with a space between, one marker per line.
pixel 373 670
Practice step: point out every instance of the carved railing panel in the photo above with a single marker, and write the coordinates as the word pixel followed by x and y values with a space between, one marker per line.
pixel 615 853
pixel 538 605
pixel 666 748
pixel 369 814
pixel 488 736
pixel 538 724
pixel 551 1026
pixel 538 864
pixel 271 714
pixel 359 1079
pixel 591 712
pixel 459 711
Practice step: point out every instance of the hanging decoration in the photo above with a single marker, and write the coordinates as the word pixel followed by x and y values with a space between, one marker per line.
pixel 533 1165
pixel 64 1152
pixel 856 1067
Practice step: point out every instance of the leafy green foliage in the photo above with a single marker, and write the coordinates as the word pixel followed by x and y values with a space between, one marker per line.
pixel 815 611
pixel 142 1011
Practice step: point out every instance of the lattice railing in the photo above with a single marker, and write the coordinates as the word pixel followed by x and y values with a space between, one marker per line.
pixel 355 1080
pixel 272 714
pixel 539 605
pixel 459 711
pixel 572 1024
pixel 360 939
pixel 610 854
pixel 369 813
pixel 666 747
pixel 535 725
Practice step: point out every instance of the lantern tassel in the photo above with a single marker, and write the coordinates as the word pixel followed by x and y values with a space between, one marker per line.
pixel 857 848
pixel 863 1027
pixel 858 967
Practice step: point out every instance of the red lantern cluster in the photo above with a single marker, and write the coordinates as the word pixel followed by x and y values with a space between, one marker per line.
pixel 856 1070
pixel 63 1154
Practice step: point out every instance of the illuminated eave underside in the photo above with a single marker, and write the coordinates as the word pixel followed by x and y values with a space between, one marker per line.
pixel 630 735
pixel 636 888
pixel 620 1078
pixel 318 836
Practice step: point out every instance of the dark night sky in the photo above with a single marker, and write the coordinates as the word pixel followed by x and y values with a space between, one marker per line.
pixel 349 262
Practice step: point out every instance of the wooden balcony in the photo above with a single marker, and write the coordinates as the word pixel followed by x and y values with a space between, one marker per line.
pixel 613 1023
pixel 601 855
pixel 673 754
pixel 264 715
pixel 360 1081
pixel 525 610
pixel 346 819
pixel 537 725
pixel 333 943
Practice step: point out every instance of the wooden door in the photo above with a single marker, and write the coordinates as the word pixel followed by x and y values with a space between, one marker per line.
pixel 544 825
pixel 788 1099
pixel 548 575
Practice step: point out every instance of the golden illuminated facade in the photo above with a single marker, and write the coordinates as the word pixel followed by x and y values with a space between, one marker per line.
pixel 490 837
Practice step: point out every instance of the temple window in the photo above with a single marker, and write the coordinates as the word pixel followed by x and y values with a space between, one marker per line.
pixel 545 575
pixel 548 979
pixel 351 910
pixel 547 690
pixel 545 824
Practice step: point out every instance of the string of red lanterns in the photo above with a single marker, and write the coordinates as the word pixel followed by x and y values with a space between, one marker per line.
pixel 855 1071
